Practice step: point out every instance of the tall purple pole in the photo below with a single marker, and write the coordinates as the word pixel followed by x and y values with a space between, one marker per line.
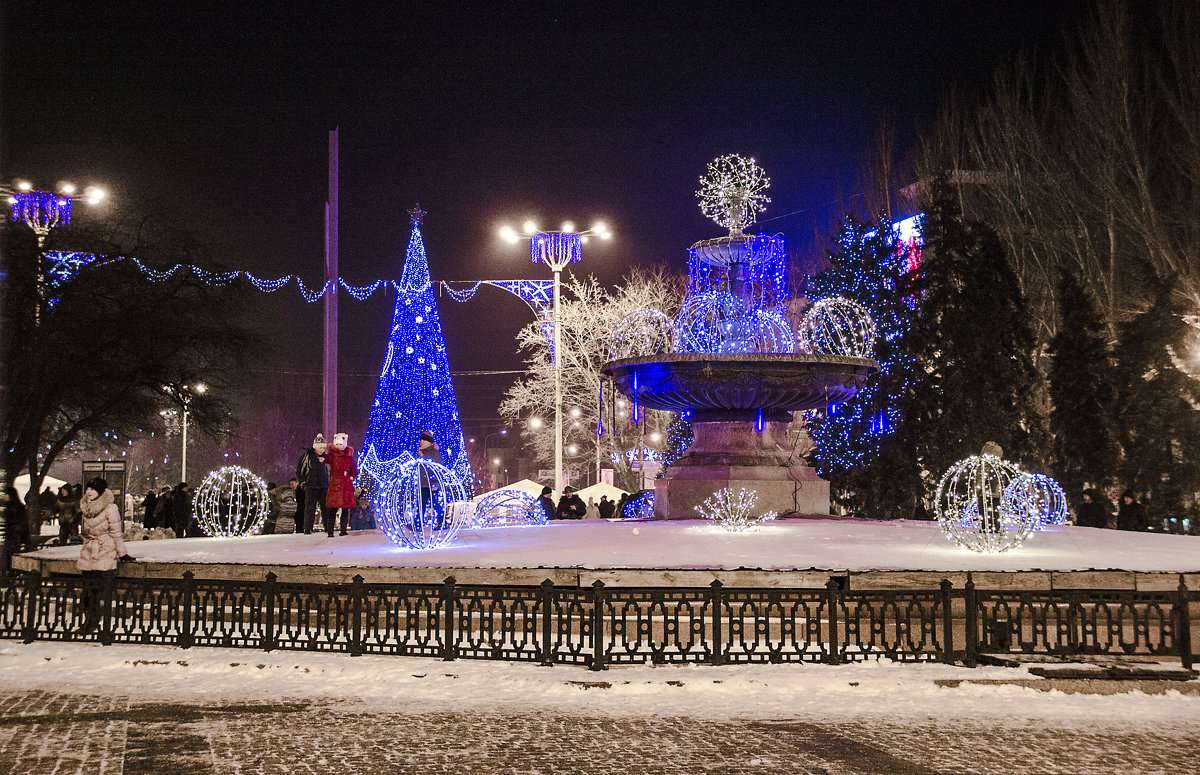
pixel 329 405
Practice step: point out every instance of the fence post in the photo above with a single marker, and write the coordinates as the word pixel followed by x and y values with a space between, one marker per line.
pixel 268 640
pixel 33 586
pixel 1183 621
pixel 833 595
pixel 546 605
pixel 108 590
pixel 356 616
pixel 970 656
pixel 947 623
pixel 718 608
pixel 449 595
pixel 598 626
pixel 186 638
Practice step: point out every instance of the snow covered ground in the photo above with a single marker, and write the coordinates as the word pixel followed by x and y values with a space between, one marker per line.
pixel 853 545
pixel 731 692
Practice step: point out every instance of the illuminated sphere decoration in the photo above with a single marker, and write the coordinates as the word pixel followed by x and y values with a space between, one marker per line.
pixel 1040 495
pixel 973 510
pixel 641 332
pixel 731 193
pixel 717 323
pixel 231 501
pixel 417 507
pixel 837 326
pixel 508 508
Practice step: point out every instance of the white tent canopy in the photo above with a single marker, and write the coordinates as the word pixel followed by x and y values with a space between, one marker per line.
pixel 21 483
pixel 525 485
pixel 596 490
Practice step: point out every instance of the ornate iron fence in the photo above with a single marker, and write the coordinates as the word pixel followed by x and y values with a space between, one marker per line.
pixel 601 626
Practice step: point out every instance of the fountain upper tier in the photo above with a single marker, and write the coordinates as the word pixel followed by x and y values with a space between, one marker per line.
pixel 731 388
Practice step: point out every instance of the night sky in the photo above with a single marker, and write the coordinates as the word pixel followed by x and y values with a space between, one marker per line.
pixel 482 113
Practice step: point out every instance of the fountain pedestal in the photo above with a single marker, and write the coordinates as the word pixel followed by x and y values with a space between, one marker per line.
pixel 737 456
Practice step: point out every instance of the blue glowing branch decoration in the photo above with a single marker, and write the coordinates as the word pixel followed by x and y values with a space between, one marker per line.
pixel 415 392
pixel 630 455
pixel 62 267
pixel 639 507
pixel 556 247
pixel 716 322
pixel 422 505
pixel 41 211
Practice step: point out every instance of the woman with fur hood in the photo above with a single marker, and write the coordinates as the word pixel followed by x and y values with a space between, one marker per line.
pixel 340 495
pixel 103 547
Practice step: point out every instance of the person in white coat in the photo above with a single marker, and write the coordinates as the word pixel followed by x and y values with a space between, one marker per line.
pixel 103 549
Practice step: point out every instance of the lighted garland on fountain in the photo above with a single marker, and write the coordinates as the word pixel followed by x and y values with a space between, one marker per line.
pixel 416 505
pixel 716 322
pixel 641 332
pixel 640 506
pixel 837 326
pixel 508 508
pixel 973 509
pixel 231 501
pixel 733 512
pixel 1040 495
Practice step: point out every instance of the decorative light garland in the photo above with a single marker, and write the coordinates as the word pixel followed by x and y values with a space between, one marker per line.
pixel 231 501
pixel 974 510
pixel 731 193
pixel 640 506
pixel 733 512
pixel 716 322
pixel 508 508
pixel 630 455
pixel 1040 495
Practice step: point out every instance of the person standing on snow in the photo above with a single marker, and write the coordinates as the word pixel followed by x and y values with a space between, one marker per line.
pixel 340 496
pixel 103 548
pixel 314 477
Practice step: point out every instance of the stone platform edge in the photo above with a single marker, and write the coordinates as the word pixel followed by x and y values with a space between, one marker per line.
pixel 1146 581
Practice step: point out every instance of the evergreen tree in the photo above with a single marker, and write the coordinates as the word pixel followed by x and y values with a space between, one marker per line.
pixel 864 446
pixel 1158 425
pixel 415 393
pixel 679 438
pixel 974 346
pixel 1081 392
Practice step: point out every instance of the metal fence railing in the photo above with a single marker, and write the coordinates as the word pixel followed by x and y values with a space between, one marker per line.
pixel 599 625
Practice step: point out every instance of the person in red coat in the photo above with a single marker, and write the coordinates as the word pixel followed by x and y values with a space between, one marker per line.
pixel 342 471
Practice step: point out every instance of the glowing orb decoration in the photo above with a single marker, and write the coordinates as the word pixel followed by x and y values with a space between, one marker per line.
pixel 418 507
pixel 733 511
pixel 231 501
pixel 641 332
pixel 717 323
pixel 837 326
pixel 971 506
pixel 508 508
pixel 1040 495
pixel 731 193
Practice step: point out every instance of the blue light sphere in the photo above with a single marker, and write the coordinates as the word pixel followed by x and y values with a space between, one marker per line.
pixel 837 326
pixel 421 506
pixel 231 501
pixel 973 509
pixel 508 508
pixel 1039 495
pixel 718 323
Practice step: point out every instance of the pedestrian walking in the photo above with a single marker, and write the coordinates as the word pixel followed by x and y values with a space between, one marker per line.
pixel 1094 511
pixel 313 474
pixel 103 548
pixel 149 517
pixel 340 497
pixel 16 532
pixel 180 516
pixel 546 501
pixel 1131 515
pixel 427 447
pixel 68 514
pixel 606 507
pixel 274 509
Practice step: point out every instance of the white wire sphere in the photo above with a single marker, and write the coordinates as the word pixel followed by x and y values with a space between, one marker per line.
pixel 231 501
pixel 508 508
pixel 1040 495
pixel 837 326
pixel 421 507
pixel 718 323
pixel 641 332
pixel 971 506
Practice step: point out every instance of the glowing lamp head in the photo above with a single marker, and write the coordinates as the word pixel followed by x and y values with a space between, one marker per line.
pixel 201 388
pixel 24 185
pixel 66 188
pixel 535 423
pixel 95 195
pixel 568 226
pixel 530 227
pixel 508 234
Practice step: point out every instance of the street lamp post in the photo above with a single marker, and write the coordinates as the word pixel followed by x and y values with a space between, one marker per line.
pixel 183 395
pixel 556 249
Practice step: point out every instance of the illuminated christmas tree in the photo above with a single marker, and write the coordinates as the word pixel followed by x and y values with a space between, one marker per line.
pixel 415 393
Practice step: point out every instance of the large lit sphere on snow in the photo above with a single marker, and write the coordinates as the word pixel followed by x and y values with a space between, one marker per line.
pixel 641 332
pixel 837 326
pixel 1040 495
pixel 971 506
pixel 718 323
pixel 231 501
pixel 420 507
pixel 508 508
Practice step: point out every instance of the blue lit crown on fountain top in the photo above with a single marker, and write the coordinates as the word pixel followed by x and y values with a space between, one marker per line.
pixel 732 355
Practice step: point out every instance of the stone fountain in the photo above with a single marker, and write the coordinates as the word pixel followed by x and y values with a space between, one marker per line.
pixel 735 369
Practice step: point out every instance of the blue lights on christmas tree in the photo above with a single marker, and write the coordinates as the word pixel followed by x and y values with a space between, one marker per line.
pixel 415 393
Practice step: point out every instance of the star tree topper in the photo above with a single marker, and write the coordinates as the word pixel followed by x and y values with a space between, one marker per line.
pixel 417 215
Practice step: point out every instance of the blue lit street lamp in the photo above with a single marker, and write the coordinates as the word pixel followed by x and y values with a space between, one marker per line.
pixel 555 249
